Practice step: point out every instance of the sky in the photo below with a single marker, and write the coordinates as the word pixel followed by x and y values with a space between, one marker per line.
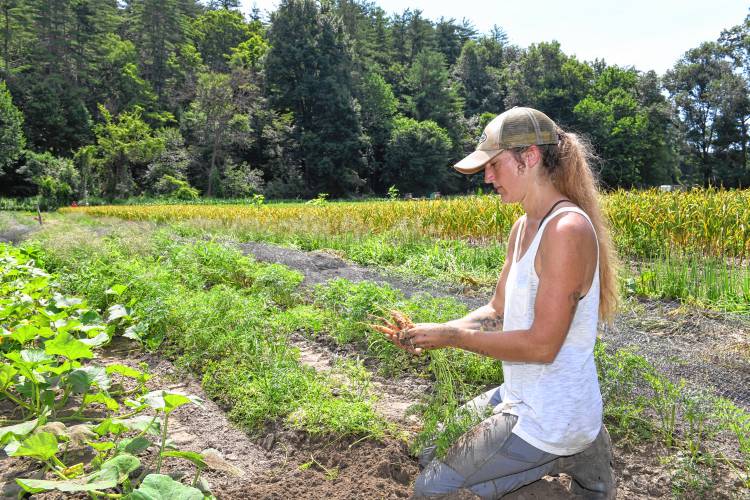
pixel 646 34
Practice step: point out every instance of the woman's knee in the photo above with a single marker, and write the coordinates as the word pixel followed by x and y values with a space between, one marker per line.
pixel 483 402
pixel 437 479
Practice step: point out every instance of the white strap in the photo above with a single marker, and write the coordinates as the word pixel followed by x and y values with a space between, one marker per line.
pixel 521 228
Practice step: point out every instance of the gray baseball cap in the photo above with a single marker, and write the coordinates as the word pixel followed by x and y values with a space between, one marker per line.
pixel 515 128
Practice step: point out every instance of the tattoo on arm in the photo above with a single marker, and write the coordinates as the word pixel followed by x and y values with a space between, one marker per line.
pixel 488 323
pixel 491 324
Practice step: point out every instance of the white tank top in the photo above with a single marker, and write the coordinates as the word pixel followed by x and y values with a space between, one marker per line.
pixel 558 404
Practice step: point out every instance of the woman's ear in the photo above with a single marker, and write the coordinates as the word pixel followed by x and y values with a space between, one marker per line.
pixel 532 156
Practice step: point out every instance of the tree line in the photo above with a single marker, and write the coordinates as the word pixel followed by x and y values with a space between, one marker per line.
pixel 113 99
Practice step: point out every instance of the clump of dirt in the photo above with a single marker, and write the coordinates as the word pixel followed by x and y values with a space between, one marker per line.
pixel 340 470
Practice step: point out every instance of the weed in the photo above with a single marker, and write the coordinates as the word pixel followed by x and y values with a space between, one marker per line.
pixel 665 402
pixel 691 477
pixel 737 421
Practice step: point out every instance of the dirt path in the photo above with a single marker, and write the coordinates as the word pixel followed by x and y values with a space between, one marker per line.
pixel 393 397
pixel 319 267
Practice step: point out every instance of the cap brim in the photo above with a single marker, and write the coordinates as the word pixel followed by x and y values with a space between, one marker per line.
pixel 476 161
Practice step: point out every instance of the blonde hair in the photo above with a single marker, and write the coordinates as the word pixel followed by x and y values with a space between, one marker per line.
pixel 567 164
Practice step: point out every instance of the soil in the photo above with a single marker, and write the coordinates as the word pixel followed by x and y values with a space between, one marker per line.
pixel 15 232
pixel 280 464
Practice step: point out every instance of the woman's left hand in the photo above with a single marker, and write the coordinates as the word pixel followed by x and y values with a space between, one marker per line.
pixel 431 335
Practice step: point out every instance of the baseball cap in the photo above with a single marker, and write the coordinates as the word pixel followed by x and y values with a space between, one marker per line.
pixel 515 128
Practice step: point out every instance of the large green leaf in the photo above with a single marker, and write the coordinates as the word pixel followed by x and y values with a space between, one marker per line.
pixel 67 325
pixel 138 423
pixel 90 316
pixel 69 486
pixel 66 345
pixel 117 468
pixel 134 332
pixel 83 378
pixel 161 487
pixel 18 431
pixel 107 426
pixel 126 371
pixel 168 401
pixel 65 302
pixel 7 372
pixel 196 458
pixel 97 341
pixel 42 446
pixel 104 446
pixel 29 357
pixel 116 311
pixel 134 445
pixel 12 446
pixel 45 332
pixel 116 289
pixel 102 398
pixel 63 368
pixel 24 334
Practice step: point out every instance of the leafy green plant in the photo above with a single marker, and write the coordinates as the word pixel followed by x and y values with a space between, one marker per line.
pixel 737 421
pixel 665 402
pixel 319 201
pixel 165 403
pixel 257 200
pixel 621 374
pixel 48 341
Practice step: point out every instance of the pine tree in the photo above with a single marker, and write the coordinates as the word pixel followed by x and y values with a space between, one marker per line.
pixel 309 73
pixel 12 140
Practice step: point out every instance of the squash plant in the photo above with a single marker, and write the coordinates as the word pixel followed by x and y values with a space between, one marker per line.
pixel 64 402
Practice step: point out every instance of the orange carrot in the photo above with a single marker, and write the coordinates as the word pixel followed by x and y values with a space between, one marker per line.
pixel 383 329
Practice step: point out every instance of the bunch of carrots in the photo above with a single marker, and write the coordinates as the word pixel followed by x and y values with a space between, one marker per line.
pixel 396 328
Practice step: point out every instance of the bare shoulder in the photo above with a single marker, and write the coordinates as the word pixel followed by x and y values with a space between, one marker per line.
pixel 569 236
pixel 570 225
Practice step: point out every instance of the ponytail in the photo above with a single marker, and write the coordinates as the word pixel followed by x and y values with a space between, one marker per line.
pixel 568 167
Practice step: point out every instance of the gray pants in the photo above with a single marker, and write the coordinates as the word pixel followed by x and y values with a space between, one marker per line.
pixel 489 459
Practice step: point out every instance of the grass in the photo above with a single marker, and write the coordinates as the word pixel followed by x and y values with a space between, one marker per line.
pixel 19 204
pixel 695 279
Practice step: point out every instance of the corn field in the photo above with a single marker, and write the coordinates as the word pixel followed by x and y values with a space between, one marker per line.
pixel 644 223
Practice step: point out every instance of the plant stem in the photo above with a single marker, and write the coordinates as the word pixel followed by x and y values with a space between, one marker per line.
pixel 163 442
pixel 145 430
pixel 19 402
pixel 197 476
pixel 54 469
pixel 83 403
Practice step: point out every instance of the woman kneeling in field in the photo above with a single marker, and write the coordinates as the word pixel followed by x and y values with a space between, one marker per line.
pixel 558 280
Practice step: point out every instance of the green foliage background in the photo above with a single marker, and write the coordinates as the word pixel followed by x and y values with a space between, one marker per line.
pixel 334 96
